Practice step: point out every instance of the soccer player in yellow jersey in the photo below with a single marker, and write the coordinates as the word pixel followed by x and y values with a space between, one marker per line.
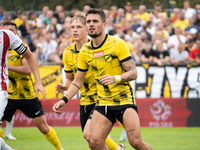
pixel 22 95
pixel 110 60
pixel 88 89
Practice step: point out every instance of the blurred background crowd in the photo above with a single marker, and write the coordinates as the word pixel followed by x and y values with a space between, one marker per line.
pixel 152 37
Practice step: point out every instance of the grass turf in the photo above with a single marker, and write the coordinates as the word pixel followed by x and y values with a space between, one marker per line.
pixel 71 138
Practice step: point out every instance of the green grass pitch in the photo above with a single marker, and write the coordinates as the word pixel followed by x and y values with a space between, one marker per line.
pixel 71 138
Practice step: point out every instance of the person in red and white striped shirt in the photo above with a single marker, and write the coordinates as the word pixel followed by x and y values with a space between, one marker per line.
pixel 8 40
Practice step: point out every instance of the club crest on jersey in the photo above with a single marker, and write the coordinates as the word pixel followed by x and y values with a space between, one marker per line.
pixel 97 54
pixel 77 58
pixel 108 58
pixel 9 54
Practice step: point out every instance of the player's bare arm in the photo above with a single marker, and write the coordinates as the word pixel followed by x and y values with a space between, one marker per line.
pixel 35 69
pixel 130 74
pixel 63 87
pixel 71 92
pixel 23 69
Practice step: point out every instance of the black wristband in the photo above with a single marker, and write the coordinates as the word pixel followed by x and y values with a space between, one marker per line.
pixel 64 98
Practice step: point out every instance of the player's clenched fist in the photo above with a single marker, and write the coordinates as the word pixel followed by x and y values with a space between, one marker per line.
pixel 58 106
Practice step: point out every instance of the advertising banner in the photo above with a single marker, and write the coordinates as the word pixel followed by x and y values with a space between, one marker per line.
pixel 159 112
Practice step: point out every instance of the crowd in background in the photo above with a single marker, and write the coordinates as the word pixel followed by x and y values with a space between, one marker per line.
pixel 151 36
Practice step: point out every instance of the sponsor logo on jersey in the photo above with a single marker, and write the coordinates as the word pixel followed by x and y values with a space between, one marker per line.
pixel 77 58
pixel 97 54
pixel 0 40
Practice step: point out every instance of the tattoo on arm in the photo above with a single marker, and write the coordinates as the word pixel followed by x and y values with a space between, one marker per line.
pixel 130 130
pixel 113 80
pixel 76 86
pixel 131 72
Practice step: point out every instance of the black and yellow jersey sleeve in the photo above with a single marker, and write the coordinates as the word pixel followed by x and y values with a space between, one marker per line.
pixel 20 86
pixel 88 90
pixel 107 59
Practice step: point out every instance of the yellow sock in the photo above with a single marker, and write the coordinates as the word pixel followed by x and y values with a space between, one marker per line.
pixel 121 125
pixel 111 144
pixel 1 134
pixel 53 139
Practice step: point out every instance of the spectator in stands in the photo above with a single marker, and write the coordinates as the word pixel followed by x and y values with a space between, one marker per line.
pixel 1 13
pixel 74 9
pixel 147 53
pixel 57 25
pixel 195 51
pixel 128 11
pixel 5 19
pixel 40 55
pixel 61 17
pixel 43 16
pixel 50 45
pixel 136 23
pixel 197 22
pixel 130 34
pixel 179 56
pixel 158 7
pixel 113 13
pixel 119 32
pixel 17 17
pixel 59 8
pixel 120 13
pixel 197 59
pixel 190 44
pixel 55 56
pixel 189 12
pixel 143 15
pixel 35 23
pixel 161 55
pixel 86 8
pixel 175 15
pixel 109 26
pixel 24 28
pixel 49 16
pixel 160 31
pixel 176 40
pixel 194 33
pixel 150 28
pixel 182 23
pixel 191 25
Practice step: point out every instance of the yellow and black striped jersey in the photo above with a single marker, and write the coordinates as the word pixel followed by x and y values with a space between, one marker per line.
pixel 88 90
pixel 106 60
pixel 20 85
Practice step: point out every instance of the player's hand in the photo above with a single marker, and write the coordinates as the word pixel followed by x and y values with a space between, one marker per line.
pixel 60 88
pixel 57 107
pixel 107 79
pixel 40 88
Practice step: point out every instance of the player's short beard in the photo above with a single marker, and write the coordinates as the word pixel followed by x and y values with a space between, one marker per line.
pixel 94 35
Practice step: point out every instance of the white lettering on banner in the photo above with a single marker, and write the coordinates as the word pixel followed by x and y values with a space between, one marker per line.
pixel 176 80
pixel 141 79
pixel 160 112
pixel 158 76
pixel 160 124
pixel 193 82
pixel 183 82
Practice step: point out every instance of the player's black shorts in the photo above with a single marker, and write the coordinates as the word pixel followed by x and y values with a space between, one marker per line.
pixel 114 112
pixel 86 112
pixel 31 108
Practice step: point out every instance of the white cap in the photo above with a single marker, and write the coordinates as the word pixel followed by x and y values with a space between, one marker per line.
pixel 193 31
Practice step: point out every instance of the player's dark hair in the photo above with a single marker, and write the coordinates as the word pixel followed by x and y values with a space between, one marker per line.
pixel 12 24
pixel 97 11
